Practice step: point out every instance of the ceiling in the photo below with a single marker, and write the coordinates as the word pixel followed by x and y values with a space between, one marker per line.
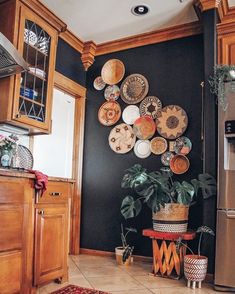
pixel 107 20
pixel 231 3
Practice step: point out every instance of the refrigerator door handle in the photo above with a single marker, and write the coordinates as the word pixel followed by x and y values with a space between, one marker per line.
pixel 230 214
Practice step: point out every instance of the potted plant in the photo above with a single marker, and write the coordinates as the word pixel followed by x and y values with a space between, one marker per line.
pixel 124 252
pixel 168 199
pixel 222 74
pixel 7 145
pixel 195 265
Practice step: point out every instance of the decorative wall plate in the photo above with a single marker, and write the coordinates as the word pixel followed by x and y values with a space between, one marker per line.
pixel 113 71
pixel 112 93
pixel 172 121
pixel 150 106
pixel 179 164
pixel 130 114
pixel 98 83
pixel 134 88
pixel 109 113
pixel 144 127
pixel 166 158
pixel 158 145
pixel 182 145
pixel 142 148
pixel 24 157
pixel 122 138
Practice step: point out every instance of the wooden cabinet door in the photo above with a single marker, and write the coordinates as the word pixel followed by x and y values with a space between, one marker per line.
pixel 51 243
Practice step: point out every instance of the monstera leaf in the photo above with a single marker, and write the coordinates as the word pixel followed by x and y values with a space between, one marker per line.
pixel 208 185
pixel 185 192
pixel 134 177
pixel 130 207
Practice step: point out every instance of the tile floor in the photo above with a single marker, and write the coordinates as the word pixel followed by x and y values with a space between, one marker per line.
pixel 102 273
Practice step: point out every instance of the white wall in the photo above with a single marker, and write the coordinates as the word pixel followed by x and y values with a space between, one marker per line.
pixel 23 139
pixel 53 153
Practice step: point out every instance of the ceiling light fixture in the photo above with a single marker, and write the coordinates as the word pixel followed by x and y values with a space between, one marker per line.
pixel 140 9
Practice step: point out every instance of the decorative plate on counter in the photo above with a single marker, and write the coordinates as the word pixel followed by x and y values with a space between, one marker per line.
pixel 144 127
pixel 166 158
pixel 179 164
pixel 158 145
pixel 109 113
pixel 182 145
pixel 112 93
pixel 142 148
pixel 23 158
pixel 130 114
pixel 122 138
pixel 99 84
pixel 172 121
pixel 134 88
pixel 113 71
pixel 150 106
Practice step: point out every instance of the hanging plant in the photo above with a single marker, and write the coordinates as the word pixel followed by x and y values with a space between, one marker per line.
pixel 222 75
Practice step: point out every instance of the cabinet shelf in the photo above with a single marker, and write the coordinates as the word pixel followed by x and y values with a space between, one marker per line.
pixel 32 101
pixel 37 76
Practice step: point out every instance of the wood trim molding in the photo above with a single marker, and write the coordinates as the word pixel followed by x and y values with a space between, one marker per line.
pixel 158 36
pixel 88 54
pixel 207 4
pixel 72 40
pixel 44 12
pixel 65 84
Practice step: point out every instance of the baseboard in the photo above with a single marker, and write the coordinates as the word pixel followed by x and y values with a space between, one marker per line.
pixel 112 254
pixel 209 278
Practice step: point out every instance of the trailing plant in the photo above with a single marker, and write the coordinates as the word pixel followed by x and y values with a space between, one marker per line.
pixel 127 248
pixel 158 188
pixel 222 74
pixel 201 230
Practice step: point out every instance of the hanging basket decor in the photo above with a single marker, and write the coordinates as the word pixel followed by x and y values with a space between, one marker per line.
pixel 222 74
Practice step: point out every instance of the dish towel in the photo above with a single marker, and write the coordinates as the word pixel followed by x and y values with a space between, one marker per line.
pixel 41 181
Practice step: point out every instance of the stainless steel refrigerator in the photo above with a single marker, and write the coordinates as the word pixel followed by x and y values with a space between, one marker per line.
pixel 225 230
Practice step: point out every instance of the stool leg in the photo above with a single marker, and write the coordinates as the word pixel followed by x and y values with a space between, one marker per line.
pixel 188 283
pixel 199 284
pixel 194 285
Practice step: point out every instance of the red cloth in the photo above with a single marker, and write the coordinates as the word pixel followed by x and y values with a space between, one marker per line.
pixel 41 181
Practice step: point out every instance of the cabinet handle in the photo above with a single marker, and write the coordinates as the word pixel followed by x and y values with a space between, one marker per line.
pixel 55 194
pixel 41 212
pixel 18 115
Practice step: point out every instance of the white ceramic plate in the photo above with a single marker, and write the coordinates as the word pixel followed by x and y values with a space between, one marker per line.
pixel 142 148
pixel 130 114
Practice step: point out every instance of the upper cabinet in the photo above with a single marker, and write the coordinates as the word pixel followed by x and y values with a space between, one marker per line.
pixel 27 97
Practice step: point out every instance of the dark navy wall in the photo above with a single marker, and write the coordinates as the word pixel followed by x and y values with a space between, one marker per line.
pixel 174 70
pixel 68 63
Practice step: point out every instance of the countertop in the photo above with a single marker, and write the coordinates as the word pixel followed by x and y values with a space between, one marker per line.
pixel 24 174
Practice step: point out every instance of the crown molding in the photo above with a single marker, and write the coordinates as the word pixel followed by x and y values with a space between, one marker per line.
pixel 226 13
pixel 72 40
pixel 207 4
pixel 175 32
pixel 88 54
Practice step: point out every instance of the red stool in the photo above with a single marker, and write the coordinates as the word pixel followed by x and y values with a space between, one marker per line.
pixel 167 260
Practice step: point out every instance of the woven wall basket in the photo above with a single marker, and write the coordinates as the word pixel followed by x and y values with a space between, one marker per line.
pixel 173 218
pixel 195 267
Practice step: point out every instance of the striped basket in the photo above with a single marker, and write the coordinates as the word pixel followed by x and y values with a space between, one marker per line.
pixel 173 218
pixel 195 267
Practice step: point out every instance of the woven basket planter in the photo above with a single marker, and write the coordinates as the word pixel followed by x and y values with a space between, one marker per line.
pixel 195 267
pixel 173 218
pixel 119 253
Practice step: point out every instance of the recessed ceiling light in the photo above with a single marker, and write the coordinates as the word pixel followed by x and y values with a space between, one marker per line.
pixel 140 9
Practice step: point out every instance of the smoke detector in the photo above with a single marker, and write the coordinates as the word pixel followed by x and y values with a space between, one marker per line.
pixel 139 10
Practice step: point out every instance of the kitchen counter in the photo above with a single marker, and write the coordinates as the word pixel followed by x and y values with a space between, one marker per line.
pixel 24 174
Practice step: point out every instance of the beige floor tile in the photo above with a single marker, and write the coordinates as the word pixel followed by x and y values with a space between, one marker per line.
pixel 87 260
pixel 138 268
pixel 101 271
pixel 53 286
pixel 79 281
pixel 152 282
pixel 117 283
pixel 144 291
pixel 42 291
pixel 184 290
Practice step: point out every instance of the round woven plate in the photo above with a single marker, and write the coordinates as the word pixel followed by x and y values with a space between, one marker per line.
pixel 144 127
pixel 166 158
pixel 158 145
pixel 24 157
pixel 182 145
pixel 150 106
pixel 122 138
pixel 112 93
pixel 142 148
pixel 179 164
pixel 172 121
pixel 109 113
pixel 113 71
pixel 134 88
pixel 130 114
pixel 98 83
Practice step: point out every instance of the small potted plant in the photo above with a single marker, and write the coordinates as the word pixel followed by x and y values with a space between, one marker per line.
pixel 195 265
pixel 7 145
pixel 124 252
pixel 168 199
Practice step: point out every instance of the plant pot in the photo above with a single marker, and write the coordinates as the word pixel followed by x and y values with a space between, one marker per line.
pixel 173 218
pixel 195 268
pixel 119 255
pixel 6 156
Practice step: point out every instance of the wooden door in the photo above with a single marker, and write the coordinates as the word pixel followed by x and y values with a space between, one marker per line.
pixel 51 243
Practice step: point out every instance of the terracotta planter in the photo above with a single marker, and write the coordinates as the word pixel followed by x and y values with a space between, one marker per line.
pixel 195 269
pixel 172 218
pixel 119 253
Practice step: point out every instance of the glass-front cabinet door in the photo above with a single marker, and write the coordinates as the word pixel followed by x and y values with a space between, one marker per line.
pixel 33 95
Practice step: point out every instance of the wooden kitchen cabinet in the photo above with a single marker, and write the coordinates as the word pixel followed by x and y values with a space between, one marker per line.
pixel 26 98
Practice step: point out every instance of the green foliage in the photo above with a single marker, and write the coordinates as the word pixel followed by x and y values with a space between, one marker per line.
pixel 158 188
